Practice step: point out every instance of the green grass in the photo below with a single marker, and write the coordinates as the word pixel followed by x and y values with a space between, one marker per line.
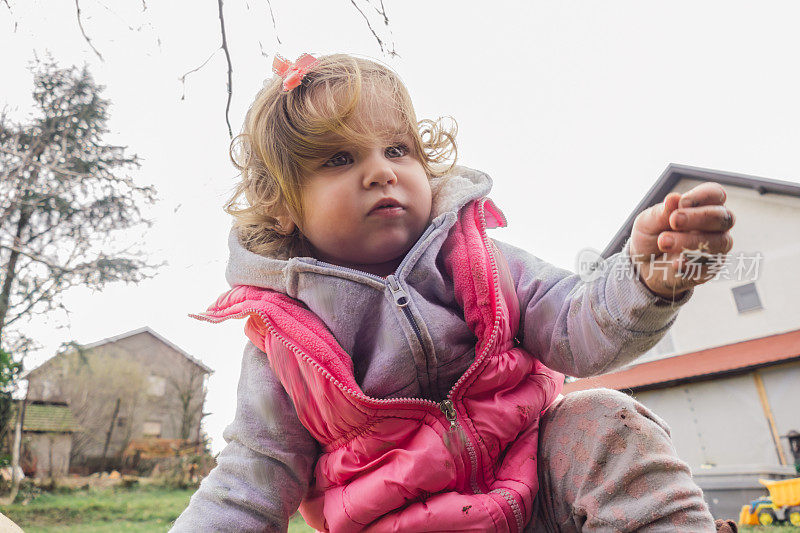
pixel 298 525
pixel 769 529
pixel 140 510
pixel 143 510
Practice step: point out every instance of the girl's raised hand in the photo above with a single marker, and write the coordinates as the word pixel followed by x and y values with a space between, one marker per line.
pixel 678 243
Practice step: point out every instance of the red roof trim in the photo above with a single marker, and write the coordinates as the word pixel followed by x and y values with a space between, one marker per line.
pixel 703 363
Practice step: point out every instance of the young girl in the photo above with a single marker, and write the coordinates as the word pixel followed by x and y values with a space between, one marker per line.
pixel 404 369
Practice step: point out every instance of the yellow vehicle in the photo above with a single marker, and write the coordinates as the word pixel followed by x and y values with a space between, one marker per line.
pixel 783 504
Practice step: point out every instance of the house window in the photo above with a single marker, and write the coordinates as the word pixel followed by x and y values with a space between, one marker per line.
pixel 746 297
pixel 151 429
pixel 156 385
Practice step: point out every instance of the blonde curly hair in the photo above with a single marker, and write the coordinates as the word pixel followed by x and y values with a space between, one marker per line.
pixel 287 133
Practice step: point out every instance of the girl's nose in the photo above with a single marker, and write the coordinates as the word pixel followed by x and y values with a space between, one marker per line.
pixel 379 173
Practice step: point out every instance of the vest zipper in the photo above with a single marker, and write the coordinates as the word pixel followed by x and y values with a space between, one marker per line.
pixel 512 502
pixel 449 412
pixel 401 299
pixel 479 358
pixel 456 440
pixel 445 405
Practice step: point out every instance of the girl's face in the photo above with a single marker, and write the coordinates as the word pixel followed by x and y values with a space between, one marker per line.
pixel 366 206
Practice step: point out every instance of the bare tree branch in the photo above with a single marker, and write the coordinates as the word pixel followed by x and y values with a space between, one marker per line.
pixel 261 49
pixel 38 259
pixel 230 68
pixel 120 17
pixel 274 26
pixel 80 24
pixel 204 63
pixel 382 12
pixel 11 11
pixel 39 164
pixel 385 43
pixel 380 42
pixel 189 395
pixel 34 299
pixel 46 229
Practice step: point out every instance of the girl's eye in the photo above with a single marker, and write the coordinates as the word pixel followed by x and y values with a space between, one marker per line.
pixel 338 159
pixel 398 150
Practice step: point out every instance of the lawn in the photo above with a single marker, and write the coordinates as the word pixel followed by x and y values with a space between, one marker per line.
pixel 770 529
pixel 140 510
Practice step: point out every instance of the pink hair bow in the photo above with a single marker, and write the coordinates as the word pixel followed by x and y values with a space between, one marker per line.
pixel 293 73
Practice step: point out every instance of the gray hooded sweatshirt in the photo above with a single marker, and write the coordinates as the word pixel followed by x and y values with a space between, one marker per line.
pixel 580 328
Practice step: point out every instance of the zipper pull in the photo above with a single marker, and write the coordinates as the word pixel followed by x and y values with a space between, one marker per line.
pixel 449 411
pixel 454 438
pixel 400 296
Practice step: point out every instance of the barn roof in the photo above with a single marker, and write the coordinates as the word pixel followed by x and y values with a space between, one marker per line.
pixel 705 364
pixel 121 336
pixel 147 329
pixel 48 417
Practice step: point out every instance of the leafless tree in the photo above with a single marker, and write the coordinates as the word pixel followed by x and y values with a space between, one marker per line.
pixel 188 384
pixel 96 384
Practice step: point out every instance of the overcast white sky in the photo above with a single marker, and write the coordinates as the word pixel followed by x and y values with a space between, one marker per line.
pixel 573 107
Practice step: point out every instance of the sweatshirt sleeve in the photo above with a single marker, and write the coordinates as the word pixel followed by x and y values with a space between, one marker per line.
pixel 584 328
pixel 264 471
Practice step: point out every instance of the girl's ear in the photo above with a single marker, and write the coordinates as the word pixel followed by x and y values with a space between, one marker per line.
pixel 286 224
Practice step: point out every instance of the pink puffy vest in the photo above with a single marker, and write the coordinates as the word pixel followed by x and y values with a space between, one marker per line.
pixel 467 463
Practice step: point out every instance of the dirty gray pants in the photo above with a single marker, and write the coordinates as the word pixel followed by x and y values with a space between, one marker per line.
pixel 607 464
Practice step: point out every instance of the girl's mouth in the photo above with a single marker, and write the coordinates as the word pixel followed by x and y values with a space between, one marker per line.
pixel 387 207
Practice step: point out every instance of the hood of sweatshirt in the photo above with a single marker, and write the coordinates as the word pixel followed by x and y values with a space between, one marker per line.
pixel 415 350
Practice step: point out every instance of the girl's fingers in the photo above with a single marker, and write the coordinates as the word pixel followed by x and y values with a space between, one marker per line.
pixel 654 220
pixel 711 242
pixel 695 220
pixel 708 193
pixel 704 218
